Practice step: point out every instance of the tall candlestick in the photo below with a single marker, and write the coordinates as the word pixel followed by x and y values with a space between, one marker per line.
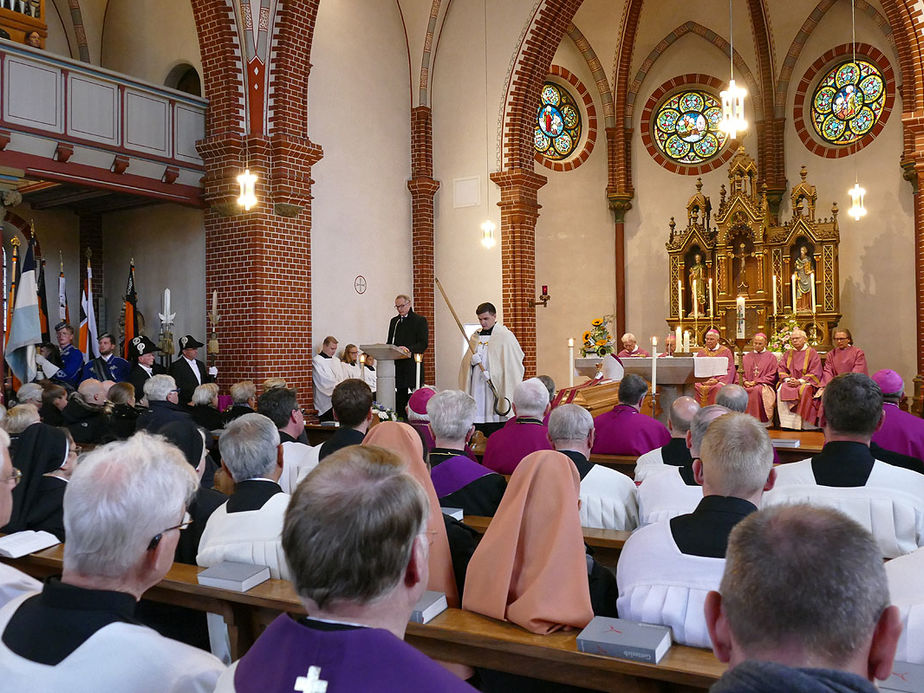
pixel 794 293
pixel 570 361
pixel 774 296
pixel 654 371
pixel 418 358
pixel 695 298
pixel 813 293
pixel 711 302
pixel 679 300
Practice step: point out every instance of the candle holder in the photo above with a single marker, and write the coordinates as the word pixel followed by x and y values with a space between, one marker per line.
pixel 544 298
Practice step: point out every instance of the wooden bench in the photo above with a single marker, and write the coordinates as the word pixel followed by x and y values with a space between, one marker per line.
pixel 606 543
pixel 455 635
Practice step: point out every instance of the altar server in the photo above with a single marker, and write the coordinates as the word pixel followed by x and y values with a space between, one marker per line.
pixel 759 370
pixel 707 390
pixel 326 373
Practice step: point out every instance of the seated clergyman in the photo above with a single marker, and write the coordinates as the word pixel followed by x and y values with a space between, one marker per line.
pixel 357 498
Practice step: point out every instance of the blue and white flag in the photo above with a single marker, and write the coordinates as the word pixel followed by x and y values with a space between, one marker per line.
pixel 25 327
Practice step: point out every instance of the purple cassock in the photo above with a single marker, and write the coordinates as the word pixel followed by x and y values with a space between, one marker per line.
pixel 901 432
pixel 623 354
pixel 626 431
pixel 760 369
pixel 291 655
pixel 801 365
pixel 507 446
pixel 706 394
pixel 850 359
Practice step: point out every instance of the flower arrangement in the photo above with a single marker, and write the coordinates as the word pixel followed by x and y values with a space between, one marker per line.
pixel 382 413
pixel 779 340
pixel 597 341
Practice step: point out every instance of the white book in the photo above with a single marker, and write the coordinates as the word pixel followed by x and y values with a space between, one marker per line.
pixel 617 637
pixel 429 606
pixel 786 442
pixel 454 513
pixel 28 541
pixel 229 575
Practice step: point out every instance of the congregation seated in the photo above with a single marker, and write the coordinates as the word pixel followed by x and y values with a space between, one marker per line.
pixel 417 415
pixel 666 569
pixel 325 373
pixel 352 405
pixel 353 639
pixel 608 497
pixel 247 528
pixel 800 375
pixel 900 431
pixel 887 500
pixel 54 399
pixel 531 567
pixel 630 347
pixel 452 543
pixel 243 400
pixel 123 416
pixel 675 453
pixel 163 404
pixel 30 393
pixel 706 390
pixel 123 511
pixel 45 456
pixel 550 386
pixel 803 606
pixel 17 420
pixel 759 373
pixel 525 433
pixel 736 398
pixel 85 415
pixel 13 583
pixel 190 440
pixel 459 481
pixel 280 405
pixel 904 575
pixel 625 430
pixel 204 410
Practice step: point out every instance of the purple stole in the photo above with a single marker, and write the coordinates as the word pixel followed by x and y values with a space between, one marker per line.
pixel 455 473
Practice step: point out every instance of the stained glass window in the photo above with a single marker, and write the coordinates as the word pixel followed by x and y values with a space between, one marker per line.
pixel 686 127
pixel 558 123
pixel 848 102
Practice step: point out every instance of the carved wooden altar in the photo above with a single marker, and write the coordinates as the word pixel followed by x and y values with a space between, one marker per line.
pixel 744 253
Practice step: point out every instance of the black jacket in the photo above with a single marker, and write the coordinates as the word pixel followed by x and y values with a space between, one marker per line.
pixel 412 333
pixel 186 379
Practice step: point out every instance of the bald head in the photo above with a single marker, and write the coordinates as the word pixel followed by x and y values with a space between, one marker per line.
pixel 734 397
pixel 683 409
pixel 92 391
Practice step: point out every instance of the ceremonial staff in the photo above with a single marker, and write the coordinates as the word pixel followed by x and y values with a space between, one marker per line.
pixel 501 405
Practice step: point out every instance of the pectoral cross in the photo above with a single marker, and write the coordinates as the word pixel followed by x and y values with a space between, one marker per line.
pixel 311 683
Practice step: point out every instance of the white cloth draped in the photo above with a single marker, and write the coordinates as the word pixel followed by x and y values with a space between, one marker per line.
pixel 298 460
pixel 14 583
pixel 608 500
pixel 905 589
pixel 664 495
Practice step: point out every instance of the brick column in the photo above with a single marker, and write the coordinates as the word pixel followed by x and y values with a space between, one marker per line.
pixel 423 188
pixel 91 237
pixel 519 210
pixel 771 161
pixel 620 203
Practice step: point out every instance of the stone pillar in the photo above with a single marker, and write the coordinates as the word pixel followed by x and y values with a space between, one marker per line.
pixel 519 210
pixel 620 203
pixel 914 173
pixel 423 189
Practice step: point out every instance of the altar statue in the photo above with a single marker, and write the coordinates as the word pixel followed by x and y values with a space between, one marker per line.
pixel 804 269
pixel 698 274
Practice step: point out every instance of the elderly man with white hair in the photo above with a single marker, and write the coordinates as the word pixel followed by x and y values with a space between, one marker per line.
pixel 800 376
pixel 30 393
pixel 608 499
pixel 163 404
pixel 123 511
pixel 247 529
pixel 525 434
pixel 630 347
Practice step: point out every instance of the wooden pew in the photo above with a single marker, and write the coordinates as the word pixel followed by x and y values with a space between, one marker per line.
pixel 455 635
pixel 606 543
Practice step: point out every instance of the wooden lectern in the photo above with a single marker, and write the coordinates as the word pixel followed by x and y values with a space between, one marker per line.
pixel 385 356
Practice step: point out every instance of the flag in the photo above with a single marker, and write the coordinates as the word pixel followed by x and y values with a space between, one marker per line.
pixel 88 339
pixel 25 329
pixel 64 313
pixel 43 302
pixel 14 280
pixel 131 305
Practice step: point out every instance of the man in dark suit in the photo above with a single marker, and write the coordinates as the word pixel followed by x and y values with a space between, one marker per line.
pixel 188 371
pixel 141 350
pixel 409 331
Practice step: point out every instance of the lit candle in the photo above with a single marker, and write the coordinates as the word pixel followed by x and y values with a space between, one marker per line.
pixel 813 293
pixel 774 295
pixel 679 300
pixel 686 341
pixel 362 367
pixel 695 298
pixel 678 340
pixel 545 289
pixel 794 293
pixel 570 361
pixel 418 358
pixel 711 302
pixel 654 371
pixel 215 301
pixel 739 305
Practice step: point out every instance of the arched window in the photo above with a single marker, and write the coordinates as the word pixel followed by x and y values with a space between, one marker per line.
pixel 848 102
pixel 558 123
pixel 686 127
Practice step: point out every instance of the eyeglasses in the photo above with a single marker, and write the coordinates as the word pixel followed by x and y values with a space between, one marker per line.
pixel 187 520
pixel 15 476
pixel 397 307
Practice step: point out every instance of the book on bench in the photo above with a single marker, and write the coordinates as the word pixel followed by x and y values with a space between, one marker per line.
pixel 19 544
pixel 230 575
pixel 786 442
pixel 617 637
pixel 429 606
pixel 454 513
pixel 905 678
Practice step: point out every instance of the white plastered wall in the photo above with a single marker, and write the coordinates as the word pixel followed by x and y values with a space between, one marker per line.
pixel 359 111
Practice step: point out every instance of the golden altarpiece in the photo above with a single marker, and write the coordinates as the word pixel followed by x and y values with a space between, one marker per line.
pixel 725 264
